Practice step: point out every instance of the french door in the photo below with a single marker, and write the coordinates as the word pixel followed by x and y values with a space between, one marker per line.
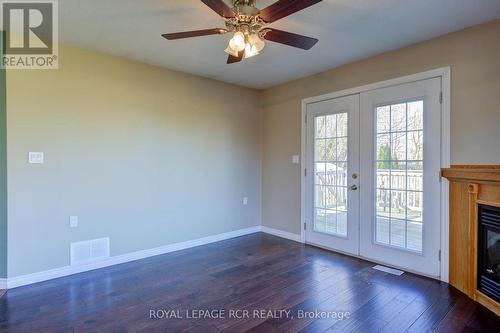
pixel 400 187
pixel 374 189
pixel 332 188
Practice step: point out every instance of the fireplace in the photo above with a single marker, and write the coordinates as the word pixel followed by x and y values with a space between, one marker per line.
pixel 488 251
pixel 474 232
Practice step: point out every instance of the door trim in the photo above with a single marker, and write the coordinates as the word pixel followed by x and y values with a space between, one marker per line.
pixel 445 74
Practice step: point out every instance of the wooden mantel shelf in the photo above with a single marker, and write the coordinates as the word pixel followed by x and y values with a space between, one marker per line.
pixel 470 185
pixel 486 173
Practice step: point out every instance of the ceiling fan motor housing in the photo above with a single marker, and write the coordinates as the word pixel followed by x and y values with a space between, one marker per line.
pixel 246 20
pixel 245 7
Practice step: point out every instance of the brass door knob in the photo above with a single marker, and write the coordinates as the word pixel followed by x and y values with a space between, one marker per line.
pixel 354 187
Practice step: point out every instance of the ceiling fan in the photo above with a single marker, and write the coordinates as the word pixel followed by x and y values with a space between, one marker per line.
pixel 249 25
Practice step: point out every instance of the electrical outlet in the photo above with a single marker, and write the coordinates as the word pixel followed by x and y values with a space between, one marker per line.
pixel 35 157
pixel 245 201
pixel 73 221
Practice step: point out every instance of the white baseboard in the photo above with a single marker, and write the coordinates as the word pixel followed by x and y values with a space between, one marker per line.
pixel 282 234
pixel 27 279
pixel 23 280
pixel 3 284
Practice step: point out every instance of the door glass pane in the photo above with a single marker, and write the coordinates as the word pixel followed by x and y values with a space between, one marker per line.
pixel 330 174
pixel 399 175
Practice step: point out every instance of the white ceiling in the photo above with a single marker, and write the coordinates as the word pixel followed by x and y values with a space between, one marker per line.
pixel 348 30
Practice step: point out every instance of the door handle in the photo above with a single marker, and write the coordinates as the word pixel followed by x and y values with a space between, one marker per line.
pixel 354 187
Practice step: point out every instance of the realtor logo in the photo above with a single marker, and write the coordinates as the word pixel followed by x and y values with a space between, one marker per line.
pixel 30 34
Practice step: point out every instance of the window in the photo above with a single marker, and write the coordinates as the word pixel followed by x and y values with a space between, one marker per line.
pixel 330 174
pixel 399 180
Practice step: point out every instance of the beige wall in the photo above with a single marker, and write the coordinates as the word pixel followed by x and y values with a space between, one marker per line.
pixel 150 157
pixel 144 155
pixel 474 56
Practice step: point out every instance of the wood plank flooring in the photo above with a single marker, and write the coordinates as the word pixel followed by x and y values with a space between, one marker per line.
pixel 250 273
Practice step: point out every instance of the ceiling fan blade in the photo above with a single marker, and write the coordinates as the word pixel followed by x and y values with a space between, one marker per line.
pixel 195 33
pixel 290 39
pixel 283 8
pixel 232 59
pixel 220 8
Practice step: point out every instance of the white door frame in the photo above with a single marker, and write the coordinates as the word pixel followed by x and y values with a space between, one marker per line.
pixel 445 74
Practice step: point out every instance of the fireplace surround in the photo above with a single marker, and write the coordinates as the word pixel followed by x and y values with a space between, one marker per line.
pixel 474 214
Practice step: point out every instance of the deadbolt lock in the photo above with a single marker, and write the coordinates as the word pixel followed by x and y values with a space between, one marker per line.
pixel 354 176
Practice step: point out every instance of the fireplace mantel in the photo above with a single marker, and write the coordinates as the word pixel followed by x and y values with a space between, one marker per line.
pixel 470 185
pixel 471 173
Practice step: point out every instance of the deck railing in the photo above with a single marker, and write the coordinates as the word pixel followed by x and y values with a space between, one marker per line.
pixel 404 189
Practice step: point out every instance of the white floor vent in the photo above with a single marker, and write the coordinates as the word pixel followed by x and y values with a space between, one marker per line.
pixel 89 251
pixel 388 270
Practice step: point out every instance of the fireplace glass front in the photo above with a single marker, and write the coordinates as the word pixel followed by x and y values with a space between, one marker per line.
pixel 489 251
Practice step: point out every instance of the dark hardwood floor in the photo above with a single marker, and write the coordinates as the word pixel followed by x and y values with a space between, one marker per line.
pixel 255 272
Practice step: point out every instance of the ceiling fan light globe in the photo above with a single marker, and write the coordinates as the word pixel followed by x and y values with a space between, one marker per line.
pixel 237 47
pixel 232 46
pixel 231 51
pixel 259 45
pixel 253 54
pixel 254 38
pixel 248 48
pixel 256 42
pixel 239 40
pixel 250 51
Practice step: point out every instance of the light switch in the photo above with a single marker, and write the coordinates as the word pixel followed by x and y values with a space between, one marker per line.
pixel 295 159
pixel 245 201
pixel 35 158
pixel 73 221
